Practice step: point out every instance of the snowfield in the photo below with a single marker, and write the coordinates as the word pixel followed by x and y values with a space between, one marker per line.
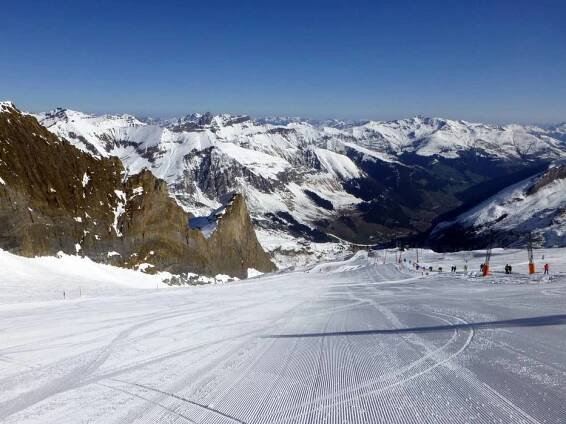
pixel 352 340
pixel 30 280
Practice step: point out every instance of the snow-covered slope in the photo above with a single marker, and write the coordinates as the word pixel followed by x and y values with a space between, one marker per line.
pixel 295 172
pixel 71 277
pixel 356 341
pixel 557 131
pixel 535 206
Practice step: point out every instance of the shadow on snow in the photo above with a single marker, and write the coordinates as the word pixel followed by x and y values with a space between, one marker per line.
pixel 519 322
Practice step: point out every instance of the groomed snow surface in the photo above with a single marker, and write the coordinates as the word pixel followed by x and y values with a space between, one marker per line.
pixel 353 340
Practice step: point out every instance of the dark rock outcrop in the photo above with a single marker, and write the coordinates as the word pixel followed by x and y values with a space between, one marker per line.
pixel 54 197
pixel 555 173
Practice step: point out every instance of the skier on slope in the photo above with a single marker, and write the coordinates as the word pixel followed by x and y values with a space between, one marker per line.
pixel 546 268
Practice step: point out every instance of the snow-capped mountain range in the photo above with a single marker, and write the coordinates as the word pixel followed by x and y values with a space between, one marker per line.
pixel 363 181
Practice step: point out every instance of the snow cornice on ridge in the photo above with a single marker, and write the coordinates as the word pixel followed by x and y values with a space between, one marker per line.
pixel 7 106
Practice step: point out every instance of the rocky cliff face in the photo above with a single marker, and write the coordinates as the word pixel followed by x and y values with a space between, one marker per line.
pixel 55 197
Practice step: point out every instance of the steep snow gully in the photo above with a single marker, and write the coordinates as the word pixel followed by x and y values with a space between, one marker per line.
pixel 354 341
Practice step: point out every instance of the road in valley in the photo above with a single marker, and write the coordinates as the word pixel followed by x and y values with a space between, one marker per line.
pixel 349 342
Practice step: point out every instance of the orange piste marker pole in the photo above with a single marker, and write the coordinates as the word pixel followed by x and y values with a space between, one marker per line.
pixel 531 255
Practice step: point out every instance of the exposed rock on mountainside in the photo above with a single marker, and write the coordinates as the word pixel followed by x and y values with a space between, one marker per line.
pixel 55 197
pixel 362 181
pixel 555 173
pixel 535 206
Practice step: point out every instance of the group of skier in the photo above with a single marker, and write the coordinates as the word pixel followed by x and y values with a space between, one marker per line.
pixel 508 268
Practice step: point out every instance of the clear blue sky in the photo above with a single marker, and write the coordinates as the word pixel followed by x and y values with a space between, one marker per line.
pixel 496 61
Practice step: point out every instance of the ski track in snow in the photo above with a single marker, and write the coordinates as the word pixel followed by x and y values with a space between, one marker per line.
pixel 354 341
